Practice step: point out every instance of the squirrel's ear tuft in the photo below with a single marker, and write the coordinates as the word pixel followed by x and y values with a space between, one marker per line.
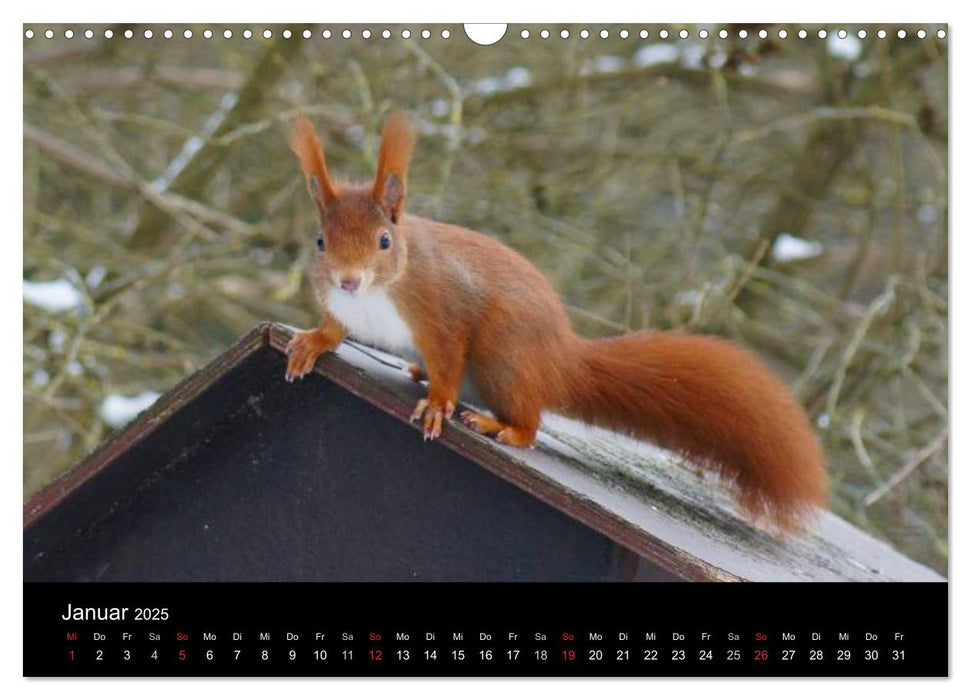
pixel 306 144
pixel 391 181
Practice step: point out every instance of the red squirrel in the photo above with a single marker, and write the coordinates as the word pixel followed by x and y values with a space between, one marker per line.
pixel 471 307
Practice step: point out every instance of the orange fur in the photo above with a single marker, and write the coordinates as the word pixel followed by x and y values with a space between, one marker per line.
pixel 306 144
pixel 479 310
pixel 306 346
pixel 397 143
pixel 712 401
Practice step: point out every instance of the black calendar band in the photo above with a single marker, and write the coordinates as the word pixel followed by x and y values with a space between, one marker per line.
pixel 479 629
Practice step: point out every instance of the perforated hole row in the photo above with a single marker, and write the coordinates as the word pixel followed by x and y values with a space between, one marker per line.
pixel 388 33
pixel 30 33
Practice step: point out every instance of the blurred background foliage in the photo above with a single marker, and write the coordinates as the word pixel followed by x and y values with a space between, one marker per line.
pixel 790 194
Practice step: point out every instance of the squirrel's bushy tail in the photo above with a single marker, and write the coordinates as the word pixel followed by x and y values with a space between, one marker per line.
pixel 712 401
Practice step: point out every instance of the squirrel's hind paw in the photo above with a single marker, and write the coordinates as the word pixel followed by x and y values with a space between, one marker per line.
pixel 506 434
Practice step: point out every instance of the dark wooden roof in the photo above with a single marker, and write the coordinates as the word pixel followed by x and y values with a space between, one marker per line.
pixel 642 498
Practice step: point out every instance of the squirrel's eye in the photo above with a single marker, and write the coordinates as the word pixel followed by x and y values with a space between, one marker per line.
pixel 320 242
pixel 385 240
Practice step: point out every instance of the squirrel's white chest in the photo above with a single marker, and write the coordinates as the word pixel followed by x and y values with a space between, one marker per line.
pixel 373 319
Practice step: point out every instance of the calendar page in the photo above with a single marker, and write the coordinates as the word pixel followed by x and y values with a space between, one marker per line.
pixel 485 350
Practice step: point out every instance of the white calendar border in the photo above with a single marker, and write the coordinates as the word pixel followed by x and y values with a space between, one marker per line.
pixel 11 254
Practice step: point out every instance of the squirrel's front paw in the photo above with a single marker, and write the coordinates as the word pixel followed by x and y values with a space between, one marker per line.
pixel 433 411
pixel 302 352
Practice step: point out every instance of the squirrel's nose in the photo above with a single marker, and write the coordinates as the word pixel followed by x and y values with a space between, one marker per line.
pixel 350 284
